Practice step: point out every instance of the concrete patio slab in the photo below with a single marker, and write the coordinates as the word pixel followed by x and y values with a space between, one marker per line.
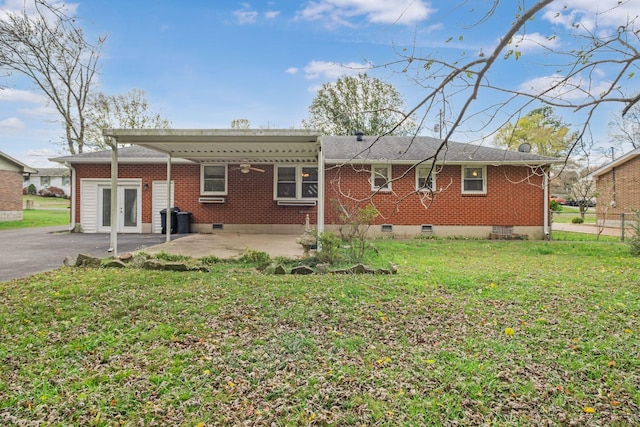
pixel 230 245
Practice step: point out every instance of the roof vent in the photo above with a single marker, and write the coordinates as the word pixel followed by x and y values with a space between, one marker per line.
pixel 524 147
pixel 359 135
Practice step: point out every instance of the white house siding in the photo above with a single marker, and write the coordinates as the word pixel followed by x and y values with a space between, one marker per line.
pixel 89 205
pixel 55 180
pixel 159 202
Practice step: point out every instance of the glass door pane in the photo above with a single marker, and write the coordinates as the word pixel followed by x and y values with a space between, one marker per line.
pixel 106 207
pixel 130 207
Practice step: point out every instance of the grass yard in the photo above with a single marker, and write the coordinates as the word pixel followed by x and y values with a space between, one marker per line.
pixel 40 202
pixel 467 333
pixel 568 213
pixel 38 218
pixel 47 212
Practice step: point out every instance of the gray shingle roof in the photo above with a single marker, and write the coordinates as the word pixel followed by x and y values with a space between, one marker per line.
pixel 408 149
pixel 52 172
pixel 338 149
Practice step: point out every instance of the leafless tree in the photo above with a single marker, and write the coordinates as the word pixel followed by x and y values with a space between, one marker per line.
pixel 240 124
pixel 127 111
pixel 572 86
pixel 44 44
pixel 625 130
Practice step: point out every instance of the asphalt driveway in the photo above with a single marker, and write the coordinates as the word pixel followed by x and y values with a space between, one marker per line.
pixel 27 251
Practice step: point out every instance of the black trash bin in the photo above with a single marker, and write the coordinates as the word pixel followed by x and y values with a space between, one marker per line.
pixel 174 220
pixel 184 222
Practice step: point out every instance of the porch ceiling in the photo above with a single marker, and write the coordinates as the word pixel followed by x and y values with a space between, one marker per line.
pixel 229 145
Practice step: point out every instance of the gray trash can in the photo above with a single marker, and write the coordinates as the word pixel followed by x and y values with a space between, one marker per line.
pixel 174 220
pixel 184 222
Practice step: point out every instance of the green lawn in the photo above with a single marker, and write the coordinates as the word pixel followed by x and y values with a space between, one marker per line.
pixel 38 218
pixel 47 212
pixel 467 333
pixel 568 213
pixel 40 202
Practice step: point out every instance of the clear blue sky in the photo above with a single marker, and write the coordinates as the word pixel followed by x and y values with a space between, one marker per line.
pixel 205 63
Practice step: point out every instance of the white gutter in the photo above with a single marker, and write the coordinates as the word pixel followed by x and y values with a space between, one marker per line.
pixel 545 184
pixel 320 212
pixel 73 196
pixel 114 199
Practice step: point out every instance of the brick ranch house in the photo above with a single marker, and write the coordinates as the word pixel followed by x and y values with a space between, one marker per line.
pixel 618 186
pixel 11 176
pixel 271 181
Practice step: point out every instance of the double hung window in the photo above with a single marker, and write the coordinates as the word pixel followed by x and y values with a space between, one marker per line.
pixel 474 180
pixel 380 178
pixel 296 182
pixel 425 178
pixel 213 179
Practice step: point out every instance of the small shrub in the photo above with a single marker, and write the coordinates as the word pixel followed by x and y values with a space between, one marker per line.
pixel 555 206
pixel 634 239
pixel 57 192
pixel 164 256
pixel 210 260
pixel 330 249
pixel 258 258
pixel 31 189
pixel 577 220
pixel 44 192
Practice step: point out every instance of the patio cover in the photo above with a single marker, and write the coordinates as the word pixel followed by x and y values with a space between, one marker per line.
pixel 221 146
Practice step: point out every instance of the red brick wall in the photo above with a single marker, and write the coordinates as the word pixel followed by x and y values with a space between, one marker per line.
pixel 249 199
pixel 514 196
pixel 627 188
pixel 11 191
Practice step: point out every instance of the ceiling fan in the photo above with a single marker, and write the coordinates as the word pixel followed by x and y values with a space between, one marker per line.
pixel 246 167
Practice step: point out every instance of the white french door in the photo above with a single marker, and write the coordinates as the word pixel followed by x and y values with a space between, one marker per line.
pixel 129 209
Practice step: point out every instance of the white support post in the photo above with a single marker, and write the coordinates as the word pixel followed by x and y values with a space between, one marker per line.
pixel 320 187
pixel 114 199
pixel 167 224
pixel 545 184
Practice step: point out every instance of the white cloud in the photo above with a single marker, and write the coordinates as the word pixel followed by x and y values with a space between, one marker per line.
pixel 292 70
pixel 339 12
pixel 16 95
pixel 314 88
pixel 245 16
pixel 574 89
pixel 333 70
pixel 590 14
pixel 11 124
pixel 15 6
pixel 271 14
pixel 533 41
pixel 39 157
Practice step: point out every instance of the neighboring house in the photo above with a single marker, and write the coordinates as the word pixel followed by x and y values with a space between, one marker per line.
pixel 49 177
pixel 11 177
pixel 618 186
pixel 272 181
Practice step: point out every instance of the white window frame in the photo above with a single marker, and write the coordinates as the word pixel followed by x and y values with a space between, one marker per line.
pixel 298 181
pixel 45 181
pixel 226 180
pixel 483 168
pixel 426 168
pixel 374 174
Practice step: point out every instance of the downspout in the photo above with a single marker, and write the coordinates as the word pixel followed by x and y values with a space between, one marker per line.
pixel 73 196
pixel 320 186
pixel 545 185
pixel 114 199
